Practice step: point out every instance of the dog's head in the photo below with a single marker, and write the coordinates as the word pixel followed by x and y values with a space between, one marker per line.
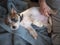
pixel 13 19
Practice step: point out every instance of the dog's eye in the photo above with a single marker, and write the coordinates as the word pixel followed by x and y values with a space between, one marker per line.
pixel 14 20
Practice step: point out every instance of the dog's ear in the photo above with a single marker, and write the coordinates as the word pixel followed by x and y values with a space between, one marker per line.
pixel 13 11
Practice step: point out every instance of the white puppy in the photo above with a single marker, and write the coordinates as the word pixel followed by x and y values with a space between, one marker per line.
pixel 26 18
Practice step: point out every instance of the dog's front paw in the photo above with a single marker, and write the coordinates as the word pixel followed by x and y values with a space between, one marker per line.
pixel 34 34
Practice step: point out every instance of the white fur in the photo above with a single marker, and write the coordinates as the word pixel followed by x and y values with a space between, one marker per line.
pixel 34 15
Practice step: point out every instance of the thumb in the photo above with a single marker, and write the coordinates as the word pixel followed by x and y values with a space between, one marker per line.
pixel 47 14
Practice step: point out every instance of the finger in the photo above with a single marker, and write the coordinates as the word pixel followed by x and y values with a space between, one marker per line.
pixel 47 13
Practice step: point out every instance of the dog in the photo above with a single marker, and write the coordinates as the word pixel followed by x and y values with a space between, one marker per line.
pixel 26 18
pixel 33 16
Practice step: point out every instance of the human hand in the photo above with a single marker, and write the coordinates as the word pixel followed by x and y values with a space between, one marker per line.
pixel 45 9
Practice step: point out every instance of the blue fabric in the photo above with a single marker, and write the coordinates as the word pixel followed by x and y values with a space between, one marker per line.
pixel 19 5
pixel 20 41
pixel 1 29
pixel 5 39
pixel 23 35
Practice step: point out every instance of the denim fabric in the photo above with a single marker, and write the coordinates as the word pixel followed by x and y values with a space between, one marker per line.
pixel 5 39
pixel 2 11
pixel 2 30
pixel 2 15
pixel 20 41
pixel 19 5
pixel 22 35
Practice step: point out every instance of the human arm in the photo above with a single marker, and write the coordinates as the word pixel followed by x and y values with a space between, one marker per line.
pixel 44 8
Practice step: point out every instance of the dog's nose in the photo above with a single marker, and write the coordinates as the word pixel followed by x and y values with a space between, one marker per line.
pixel 14 27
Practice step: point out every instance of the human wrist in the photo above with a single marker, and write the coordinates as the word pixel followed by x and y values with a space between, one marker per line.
pixel 42 2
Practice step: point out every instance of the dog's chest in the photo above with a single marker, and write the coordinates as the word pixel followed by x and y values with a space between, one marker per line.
pixel 26 21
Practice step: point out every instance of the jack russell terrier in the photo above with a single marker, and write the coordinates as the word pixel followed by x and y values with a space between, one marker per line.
pixel 26 18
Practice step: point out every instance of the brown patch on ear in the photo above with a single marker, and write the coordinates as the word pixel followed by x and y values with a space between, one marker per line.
pixel 13 12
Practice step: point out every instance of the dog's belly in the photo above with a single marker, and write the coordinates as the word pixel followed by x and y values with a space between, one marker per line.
pixel 38 16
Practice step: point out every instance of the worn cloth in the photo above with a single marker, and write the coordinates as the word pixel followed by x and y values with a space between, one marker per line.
pixel 55 4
